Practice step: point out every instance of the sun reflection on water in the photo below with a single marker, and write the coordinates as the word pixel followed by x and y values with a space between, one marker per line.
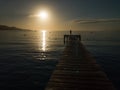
pixel 44 40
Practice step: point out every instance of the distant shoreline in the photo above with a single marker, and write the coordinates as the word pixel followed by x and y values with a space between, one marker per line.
pixel 5 27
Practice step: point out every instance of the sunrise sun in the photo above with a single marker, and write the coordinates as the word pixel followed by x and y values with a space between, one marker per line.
pixel 43 15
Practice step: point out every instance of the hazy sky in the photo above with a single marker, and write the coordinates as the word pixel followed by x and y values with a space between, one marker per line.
pixel 62 14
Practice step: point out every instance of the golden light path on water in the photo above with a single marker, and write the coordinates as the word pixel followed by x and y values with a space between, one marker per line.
pixel 43 40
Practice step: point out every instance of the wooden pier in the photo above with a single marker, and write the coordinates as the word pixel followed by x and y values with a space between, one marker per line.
pixel 78 70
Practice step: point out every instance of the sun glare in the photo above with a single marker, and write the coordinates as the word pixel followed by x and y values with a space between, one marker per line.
pixel 43 15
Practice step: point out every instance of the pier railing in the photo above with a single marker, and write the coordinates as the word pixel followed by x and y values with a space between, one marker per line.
pixel 71 37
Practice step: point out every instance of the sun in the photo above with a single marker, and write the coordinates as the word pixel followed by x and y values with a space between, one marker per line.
pixel 43 15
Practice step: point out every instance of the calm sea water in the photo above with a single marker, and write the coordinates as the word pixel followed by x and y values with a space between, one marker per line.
pixel 28 58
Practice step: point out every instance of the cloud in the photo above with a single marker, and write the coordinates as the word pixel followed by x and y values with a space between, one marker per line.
pixel 32 16
pixel 88 21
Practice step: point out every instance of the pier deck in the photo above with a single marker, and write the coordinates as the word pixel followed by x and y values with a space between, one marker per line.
pixel 78 70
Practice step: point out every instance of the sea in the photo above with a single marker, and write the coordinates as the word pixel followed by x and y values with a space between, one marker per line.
pixel 28 58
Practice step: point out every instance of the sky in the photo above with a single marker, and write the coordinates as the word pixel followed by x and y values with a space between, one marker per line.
pixel 62 14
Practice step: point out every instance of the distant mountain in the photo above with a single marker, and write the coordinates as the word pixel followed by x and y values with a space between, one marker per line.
pixel 4 27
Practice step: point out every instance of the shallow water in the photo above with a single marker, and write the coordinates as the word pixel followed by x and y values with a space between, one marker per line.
pixel 28 58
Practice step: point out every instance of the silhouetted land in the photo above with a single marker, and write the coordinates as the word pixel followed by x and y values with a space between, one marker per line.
pixel 5 27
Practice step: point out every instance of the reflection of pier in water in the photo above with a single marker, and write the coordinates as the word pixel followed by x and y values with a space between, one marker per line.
pixel 77 69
